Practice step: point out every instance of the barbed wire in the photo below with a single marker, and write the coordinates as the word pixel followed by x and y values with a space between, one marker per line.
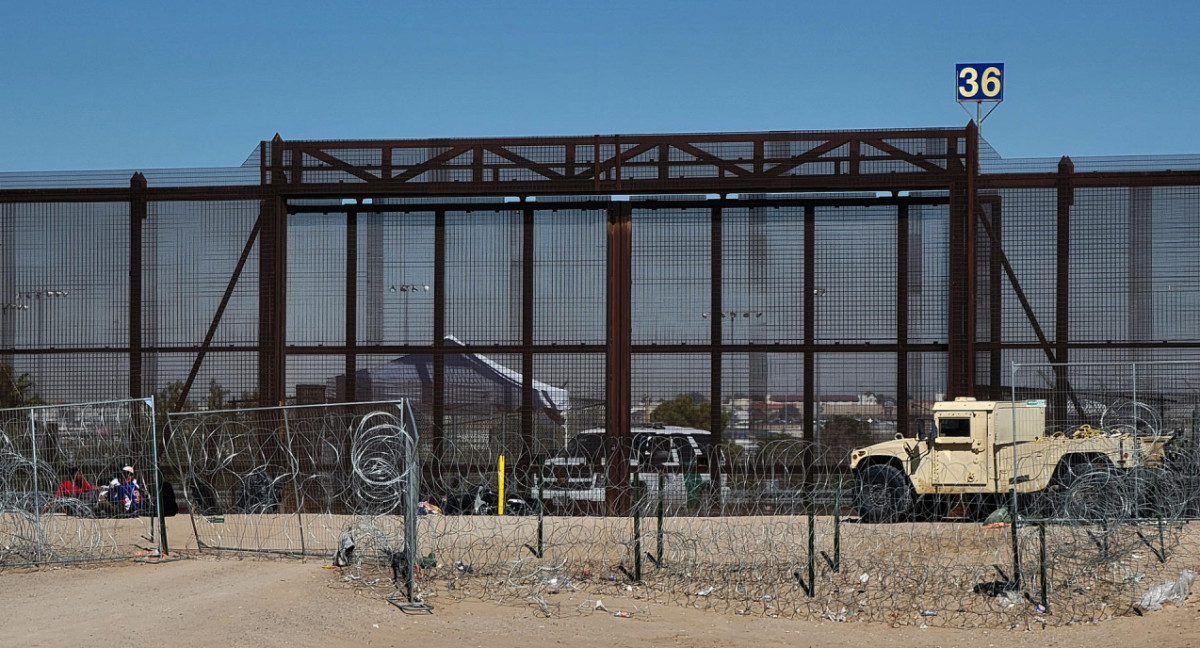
pixel 772 532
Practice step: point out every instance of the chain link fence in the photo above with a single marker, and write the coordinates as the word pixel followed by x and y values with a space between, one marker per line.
pixel 66 494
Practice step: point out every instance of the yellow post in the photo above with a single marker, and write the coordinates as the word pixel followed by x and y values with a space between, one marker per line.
pixel 500 499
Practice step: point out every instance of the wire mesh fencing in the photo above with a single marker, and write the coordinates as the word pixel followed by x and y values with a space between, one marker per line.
pixel 80 482
pixel 769 527
pixel 776 531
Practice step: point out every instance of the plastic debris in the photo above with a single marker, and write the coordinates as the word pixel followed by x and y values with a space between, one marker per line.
pixel 1174 591
pixel 1008 599
pixel 864 578
pixel 345 551
pixel 622 614
pixel 706 591
pixel 999 516
pixel 929 613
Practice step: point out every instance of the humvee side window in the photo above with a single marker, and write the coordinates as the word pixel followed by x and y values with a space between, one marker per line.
pixel 954 427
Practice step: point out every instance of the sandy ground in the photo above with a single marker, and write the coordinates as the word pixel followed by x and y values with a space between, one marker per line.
pixel 195 599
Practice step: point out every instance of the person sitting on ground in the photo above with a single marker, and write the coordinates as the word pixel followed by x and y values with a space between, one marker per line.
pixel 128 493
pixel 76 486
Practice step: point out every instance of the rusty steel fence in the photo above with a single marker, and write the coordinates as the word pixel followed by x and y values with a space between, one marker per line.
pixel 783 297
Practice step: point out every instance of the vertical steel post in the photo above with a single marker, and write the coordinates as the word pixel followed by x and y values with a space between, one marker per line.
pixel 439 337
pixel 540 506
pixel 287 432
pixel 812 546
pixel 137 214
pixel 810 327
pixel 902 260
pixel 272 281
pixel 528 438
pixel 837 530
pixel 618 373
pixel 1016 550
pixel 960 312
pixel 1042 559
pixel 351 307
pixel 637 526
pixel 409 431
pixel 716 357
pixel 1062 286
pixel 37 504
pixel 158 484
pixel 658 554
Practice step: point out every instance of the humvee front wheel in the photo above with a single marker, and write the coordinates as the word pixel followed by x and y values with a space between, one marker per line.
pixel 882 494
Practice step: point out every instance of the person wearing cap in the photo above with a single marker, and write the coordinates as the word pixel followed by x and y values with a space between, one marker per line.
pixel 128 493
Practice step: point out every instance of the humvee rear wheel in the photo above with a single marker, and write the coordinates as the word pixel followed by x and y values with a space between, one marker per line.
pixel 882 494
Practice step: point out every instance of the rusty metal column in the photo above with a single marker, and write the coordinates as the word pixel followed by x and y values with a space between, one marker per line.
pixel 618 375
pixel 137 214
pixel 716 353
pixel 960 306
pixel 272 284
pixel 351 306
pixel 810 324
pixel 439 336
pixel 902 409
pixel 528 438
pixel 1062 284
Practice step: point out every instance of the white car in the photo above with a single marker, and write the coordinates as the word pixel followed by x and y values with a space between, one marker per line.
pixel 680 456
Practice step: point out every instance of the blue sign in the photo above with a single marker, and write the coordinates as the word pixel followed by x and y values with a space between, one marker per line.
pixel 979 81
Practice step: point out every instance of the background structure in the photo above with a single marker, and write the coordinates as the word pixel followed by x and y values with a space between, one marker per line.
pixel 790 277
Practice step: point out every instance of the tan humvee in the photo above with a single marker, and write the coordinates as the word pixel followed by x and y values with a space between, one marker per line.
pixel 969 458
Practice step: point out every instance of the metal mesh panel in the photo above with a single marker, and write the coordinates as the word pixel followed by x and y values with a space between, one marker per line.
pixel 64 494
pixel 818 291
pixel 291 480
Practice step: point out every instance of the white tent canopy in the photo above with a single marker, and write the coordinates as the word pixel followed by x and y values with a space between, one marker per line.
pixel 475 384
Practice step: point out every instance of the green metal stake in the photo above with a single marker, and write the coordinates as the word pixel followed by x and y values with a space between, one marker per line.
pixel 1162 547
pixel 1016 550
pixel 541 507
pixel 812 546
pixel 637 528
pixel 658 554
pixel 837 530
pixel 1042 560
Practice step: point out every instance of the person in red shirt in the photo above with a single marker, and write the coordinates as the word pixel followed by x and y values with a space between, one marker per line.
pixel 74 487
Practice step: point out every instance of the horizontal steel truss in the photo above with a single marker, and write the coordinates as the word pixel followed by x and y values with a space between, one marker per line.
pixel 707 163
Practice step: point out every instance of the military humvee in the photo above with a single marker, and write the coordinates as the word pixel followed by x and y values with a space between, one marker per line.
pixel 977 451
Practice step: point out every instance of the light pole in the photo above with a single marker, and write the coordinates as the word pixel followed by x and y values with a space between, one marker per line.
pixel 747 317
pixel 817 294
pixel 23 301
pixel 407 289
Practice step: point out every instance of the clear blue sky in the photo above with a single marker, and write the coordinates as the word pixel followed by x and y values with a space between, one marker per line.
pixel 128 85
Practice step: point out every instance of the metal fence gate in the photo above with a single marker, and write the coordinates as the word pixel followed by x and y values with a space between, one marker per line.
pixel 61 474
pixel 296 479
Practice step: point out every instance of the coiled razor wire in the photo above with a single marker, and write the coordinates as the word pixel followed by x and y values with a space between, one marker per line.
pixel 1084 554
pixel 779 536
pixel 40 448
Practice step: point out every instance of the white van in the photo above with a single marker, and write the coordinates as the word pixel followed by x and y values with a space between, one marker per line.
pixel 682 456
